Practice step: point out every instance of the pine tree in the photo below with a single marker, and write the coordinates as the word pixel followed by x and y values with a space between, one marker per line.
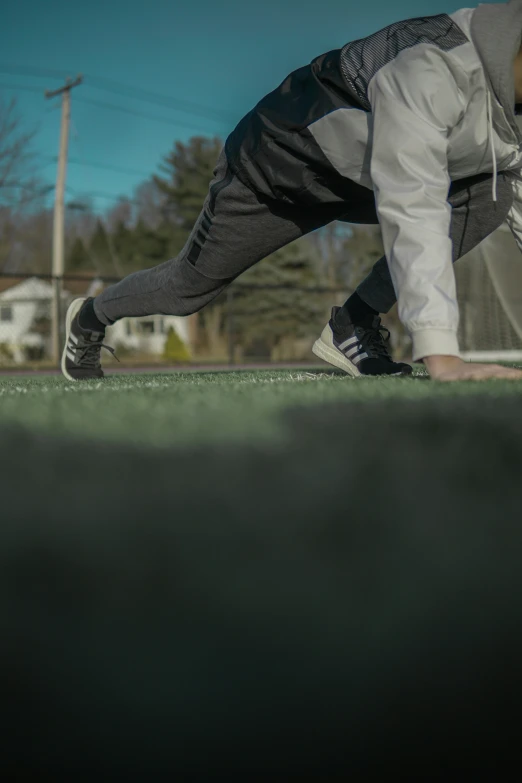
pixel 282 310
pixel 150 245
pixel 188 171
pixel 100 251
pixel 78 259
pixel 122 240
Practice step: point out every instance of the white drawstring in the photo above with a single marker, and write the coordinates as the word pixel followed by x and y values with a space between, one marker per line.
pixel 492 143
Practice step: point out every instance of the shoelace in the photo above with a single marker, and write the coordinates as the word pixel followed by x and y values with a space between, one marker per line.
pixel 375 340
pixel 89 354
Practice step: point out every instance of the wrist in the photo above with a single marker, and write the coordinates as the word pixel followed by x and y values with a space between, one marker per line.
pixel 434 342
pixel 438 364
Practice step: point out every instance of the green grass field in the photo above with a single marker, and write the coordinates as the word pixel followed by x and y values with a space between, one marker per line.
pixel 221 561
pixel 305 422
pixel 180 408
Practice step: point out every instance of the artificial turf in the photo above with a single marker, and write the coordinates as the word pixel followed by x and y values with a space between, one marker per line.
pixel 187 408
pixel 259 576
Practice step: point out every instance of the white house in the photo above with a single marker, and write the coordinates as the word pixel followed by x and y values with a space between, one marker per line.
pixel 147 335
pixel 25 312
pixel 24 307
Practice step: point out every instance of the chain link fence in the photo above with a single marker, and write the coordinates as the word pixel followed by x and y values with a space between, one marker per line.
pixel 248 324
pixel 232 330
pixel 489 282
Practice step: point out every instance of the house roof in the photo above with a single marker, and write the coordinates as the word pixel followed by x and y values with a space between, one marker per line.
pixel 12 287
pixel 8 282
pixel 31 288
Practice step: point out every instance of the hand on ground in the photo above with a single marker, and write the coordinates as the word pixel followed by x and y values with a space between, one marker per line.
pixel 451 368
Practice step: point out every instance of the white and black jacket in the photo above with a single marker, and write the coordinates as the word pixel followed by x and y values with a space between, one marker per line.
pixel 402 112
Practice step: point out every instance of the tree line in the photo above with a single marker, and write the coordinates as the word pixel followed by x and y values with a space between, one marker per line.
pixel 153 223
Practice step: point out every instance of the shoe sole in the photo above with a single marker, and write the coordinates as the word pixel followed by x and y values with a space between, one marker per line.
pixel 325 349
pixel 72 312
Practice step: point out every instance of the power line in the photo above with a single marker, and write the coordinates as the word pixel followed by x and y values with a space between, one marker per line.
pixel 210 114
pixel 119 88
pixel 115 107
pixel 158 98
pixel 105 167
pixel 23 70
pixel 34 193
pixel 21 87
pixel 135 113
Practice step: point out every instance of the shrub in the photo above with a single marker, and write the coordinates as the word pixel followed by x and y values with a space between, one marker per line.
pixel 175 349
pixel 6 354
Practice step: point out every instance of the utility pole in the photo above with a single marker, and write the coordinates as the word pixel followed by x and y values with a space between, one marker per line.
pixel 59 212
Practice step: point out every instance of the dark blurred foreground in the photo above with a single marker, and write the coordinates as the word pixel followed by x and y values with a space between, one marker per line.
pixel 346 606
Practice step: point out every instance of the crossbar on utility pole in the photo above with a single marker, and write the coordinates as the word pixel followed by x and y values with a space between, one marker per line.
pixel 58 264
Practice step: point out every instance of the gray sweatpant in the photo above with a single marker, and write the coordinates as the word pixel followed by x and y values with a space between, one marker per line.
pixel 236 229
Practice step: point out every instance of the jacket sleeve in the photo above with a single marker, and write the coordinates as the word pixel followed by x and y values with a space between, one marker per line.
pixel 514 218
pixel 415 102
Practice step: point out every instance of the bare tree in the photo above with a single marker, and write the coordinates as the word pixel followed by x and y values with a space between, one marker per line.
pixel 80 220
pixel 18 184
pixel 31 246
pixel 360 251
pixel 23 238
pixel 7 235
pixel 151 203
pixel 121 212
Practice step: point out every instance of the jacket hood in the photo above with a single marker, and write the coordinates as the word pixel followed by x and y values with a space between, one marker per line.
pixel 496 30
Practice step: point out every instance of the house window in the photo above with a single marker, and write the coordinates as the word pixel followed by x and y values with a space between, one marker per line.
pixel 147 327
pixel 128 328
pixel 6 313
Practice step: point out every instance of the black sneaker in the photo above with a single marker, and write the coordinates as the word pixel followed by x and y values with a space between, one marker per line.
pixel 81 353
pixel 359 350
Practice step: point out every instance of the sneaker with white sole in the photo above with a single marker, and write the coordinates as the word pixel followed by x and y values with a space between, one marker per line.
pixel 81 353
pixel 359 350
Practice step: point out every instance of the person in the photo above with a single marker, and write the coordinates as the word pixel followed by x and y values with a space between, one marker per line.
pixel 415 127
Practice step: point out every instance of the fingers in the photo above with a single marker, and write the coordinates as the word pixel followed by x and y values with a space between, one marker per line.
pixel 481 372
pixel 506 372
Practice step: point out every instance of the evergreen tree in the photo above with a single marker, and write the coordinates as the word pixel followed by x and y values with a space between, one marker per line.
pixel 281 310
pixel 150 245
pixel 188 170
pixel 122 241
pixel 100 251
pixel 78 259
pixel 141 247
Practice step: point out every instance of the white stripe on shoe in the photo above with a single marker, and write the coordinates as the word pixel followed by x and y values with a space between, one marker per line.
pixel 352 341
pixel 354 351
pixel 325 349
pixel 358 359
pixel 74 308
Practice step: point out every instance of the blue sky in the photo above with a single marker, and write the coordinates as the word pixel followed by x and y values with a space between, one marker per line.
pixel 222 56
